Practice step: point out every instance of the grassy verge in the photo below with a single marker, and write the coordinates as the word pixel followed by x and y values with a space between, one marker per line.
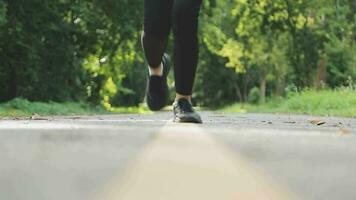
pixel 341 102
pixel 23 108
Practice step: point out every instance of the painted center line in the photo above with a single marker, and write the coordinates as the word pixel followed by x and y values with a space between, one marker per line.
pixel 185 163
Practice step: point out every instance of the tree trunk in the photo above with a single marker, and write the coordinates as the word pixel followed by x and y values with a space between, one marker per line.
pixel 12 84
pixel 245 87
pixel 280 88
pixel 238 92
pixel 321 73
pixel 352 4
pixel 263 84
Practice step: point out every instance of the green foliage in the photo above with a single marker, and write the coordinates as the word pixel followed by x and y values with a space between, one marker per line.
pixel 254 96
pixel 90 50
pixel 341 63
pixel 291 90
pixel 2 13
pixel 215 85
pixel 67 50
pixel 23 107
pixel 282 43
pixel 326 102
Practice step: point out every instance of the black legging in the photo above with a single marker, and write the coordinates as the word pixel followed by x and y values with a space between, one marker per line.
pixel 182 16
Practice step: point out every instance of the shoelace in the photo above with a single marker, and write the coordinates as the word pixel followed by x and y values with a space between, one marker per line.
pixel 185 106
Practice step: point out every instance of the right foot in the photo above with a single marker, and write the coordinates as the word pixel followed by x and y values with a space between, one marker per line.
pixel 157 87
pixel 184 112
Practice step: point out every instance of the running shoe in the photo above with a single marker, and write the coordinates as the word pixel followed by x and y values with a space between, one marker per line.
pixel 184 112
pixel 157 87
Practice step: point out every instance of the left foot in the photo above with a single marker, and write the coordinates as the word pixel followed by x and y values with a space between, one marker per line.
pixel 157 87
pixel 185 113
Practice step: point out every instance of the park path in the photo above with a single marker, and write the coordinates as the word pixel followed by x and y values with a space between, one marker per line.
pixel 128 157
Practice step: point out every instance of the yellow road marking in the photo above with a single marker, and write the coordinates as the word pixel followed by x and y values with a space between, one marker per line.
pixel 185 163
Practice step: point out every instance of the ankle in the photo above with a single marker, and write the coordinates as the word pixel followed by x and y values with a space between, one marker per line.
pixel 156 71
pixel 187 97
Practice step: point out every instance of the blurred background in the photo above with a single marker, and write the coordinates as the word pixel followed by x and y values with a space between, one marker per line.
pixel 72 56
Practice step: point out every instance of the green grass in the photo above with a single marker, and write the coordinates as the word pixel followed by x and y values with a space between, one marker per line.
pixel 341 102
pixel 22 108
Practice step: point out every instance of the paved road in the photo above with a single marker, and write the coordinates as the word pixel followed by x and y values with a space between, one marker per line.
pixel 129 157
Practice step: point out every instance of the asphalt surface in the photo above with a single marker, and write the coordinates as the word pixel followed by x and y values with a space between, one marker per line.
pixel 245 156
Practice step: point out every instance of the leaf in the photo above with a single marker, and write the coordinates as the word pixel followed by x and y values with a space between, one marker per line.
pixel 290 122
pixel 74 117
pixel 344 131
pixel 36 116
pixel 317 122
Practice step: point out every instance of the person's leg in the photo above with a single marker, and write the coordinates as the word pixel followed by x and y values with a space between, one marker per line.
pixel 185 24
pixel 157 25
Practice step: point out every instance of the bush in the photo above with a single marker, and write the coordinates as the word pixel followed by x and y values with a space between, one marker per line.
pixel 23 107
pixel 291 90
pixel 254 95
